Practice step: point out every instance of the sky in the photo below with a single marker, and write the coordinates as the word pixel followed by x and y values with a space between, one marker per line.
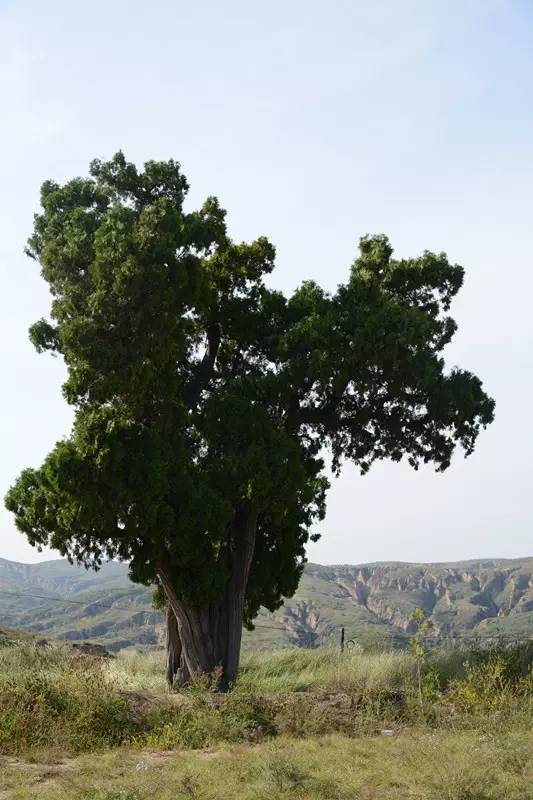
pixel 314 123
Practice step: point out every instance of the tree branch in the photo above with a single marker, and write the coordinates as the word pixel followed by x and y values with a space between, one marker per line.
pixel 207 365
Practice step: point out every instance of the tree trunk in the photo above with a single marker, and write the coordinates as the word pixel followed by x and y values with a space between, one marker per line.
pixel 176 670
pixel 210 635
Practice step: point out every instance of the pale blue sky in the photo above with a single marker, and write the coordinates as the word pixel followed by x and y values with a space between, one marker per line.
pixel 314 123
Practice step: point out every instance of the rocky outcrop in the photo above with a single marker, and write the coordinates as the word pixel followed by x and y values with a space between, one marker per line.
pixel 302 623
pixel 457 598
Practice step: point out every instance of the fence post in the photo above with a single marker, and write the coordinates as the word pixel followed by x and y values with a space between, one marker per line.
pixel 342 640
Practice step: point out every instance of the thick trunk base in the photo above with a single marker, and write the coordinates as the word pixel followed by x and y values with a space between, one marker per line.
pixel 207 640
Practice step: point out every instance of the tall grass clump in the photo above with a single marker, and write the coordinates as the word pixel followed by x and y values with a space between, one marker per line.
pixel 131 671
pixel 326 670
pixel 53 698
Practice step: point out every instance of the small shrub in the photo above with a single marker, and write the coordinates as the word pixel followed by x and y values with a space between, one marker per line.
pixel 201 720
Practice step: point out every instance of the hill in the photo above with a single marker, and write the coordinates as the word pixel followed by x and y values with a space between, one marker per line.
pixel 373 602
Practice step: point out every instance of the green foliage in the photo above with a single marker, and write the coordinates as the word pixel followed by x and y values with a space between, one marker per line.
pixel 493 676
pixel 199 391
pixel 418 642
pixel 424 626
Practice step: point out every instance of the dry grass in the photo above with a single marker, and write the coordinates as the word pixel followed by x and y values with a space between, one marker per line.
pixel 296 670
pixel 421 766
pixel 327 670
pixel 131 671
pixel 55 700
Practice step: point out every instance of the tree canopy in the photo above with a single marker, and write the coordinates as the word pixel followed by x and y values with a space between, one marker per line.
pixel 201 395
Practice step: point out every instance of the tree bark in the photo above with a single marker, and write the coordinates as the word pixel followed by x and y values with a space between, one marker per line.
pixel 177 673
pixel 210 635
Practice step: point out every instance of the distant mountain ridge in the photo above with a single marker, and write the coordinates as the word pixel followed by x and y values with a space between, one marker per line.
pixel 373 602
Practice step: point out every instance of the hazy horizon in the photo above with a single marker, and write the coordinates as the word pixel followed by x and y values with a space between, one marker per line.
pixel 310 562
pixel 313 125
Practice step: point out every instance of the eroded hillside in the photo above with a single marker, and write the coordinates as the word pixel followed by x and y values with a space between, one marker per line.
pixel 373 602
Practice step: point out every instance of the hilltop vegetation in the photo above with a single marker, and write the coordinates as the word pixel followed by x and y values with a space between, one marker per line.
pixel 373 602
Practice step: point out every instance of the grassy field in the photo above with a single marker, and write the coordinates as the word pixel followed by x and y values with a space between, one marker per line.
pixel 302 724
pixel 421 765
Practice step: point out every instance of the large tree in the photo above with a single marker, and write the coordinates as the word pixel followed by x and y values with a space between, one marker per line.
pixel 204 401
